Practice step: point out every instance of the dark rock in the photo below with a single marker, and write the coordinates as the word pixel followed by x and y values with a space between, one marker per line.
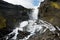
pixel 49 11
pixel 11 15
pixel 22 34
pixel 11 36
pixel 48 35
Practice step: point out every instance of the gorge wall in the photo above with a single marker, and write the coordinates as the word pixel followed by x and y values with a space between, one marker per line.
pixel 49 11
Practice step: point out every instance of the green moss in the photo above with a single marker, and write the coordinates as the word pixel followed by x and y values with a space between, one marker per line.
pixel 2 22
pixel 55 5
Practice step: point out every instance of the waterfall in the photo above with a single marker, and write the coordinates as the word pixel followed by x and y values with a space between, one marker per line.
pixel 31 26
pixel 34 14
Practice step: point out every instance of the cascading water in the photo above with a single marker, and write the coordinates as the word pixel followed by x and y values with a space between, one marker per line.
pixel 34 14
pixel 32 26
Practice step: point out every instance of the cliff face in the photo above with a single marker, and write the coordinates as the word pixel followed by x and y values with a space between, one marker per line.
pixel 10 16
pixel 49 11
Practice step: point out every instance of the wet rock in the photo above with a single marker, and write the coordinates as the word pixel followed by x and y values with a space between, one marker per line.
pixel 48 35
pixel 22 34
pixel 49 11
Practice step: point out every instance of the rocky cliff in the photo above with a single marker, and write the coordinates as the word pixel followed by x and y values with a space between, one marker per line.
pixel 49 10
pixel 10 16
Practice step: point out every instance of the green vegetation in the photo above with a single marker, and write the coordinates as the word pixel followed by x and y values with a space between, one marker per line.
pixel 2 22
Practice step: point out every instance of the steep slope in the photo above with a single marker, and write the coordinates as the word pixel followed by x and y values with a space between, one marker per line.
pixel 49 10
pixel 10 16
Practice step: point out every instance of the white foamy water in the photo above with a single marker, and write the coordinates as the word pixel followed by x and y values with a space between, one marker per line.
pixel 31 25
pixel 34 14
pixel 34 27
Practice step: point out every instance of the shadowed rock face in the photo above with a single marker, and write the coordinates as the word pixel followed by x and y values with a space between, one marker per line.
pixel 50 11
pixel 10 16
